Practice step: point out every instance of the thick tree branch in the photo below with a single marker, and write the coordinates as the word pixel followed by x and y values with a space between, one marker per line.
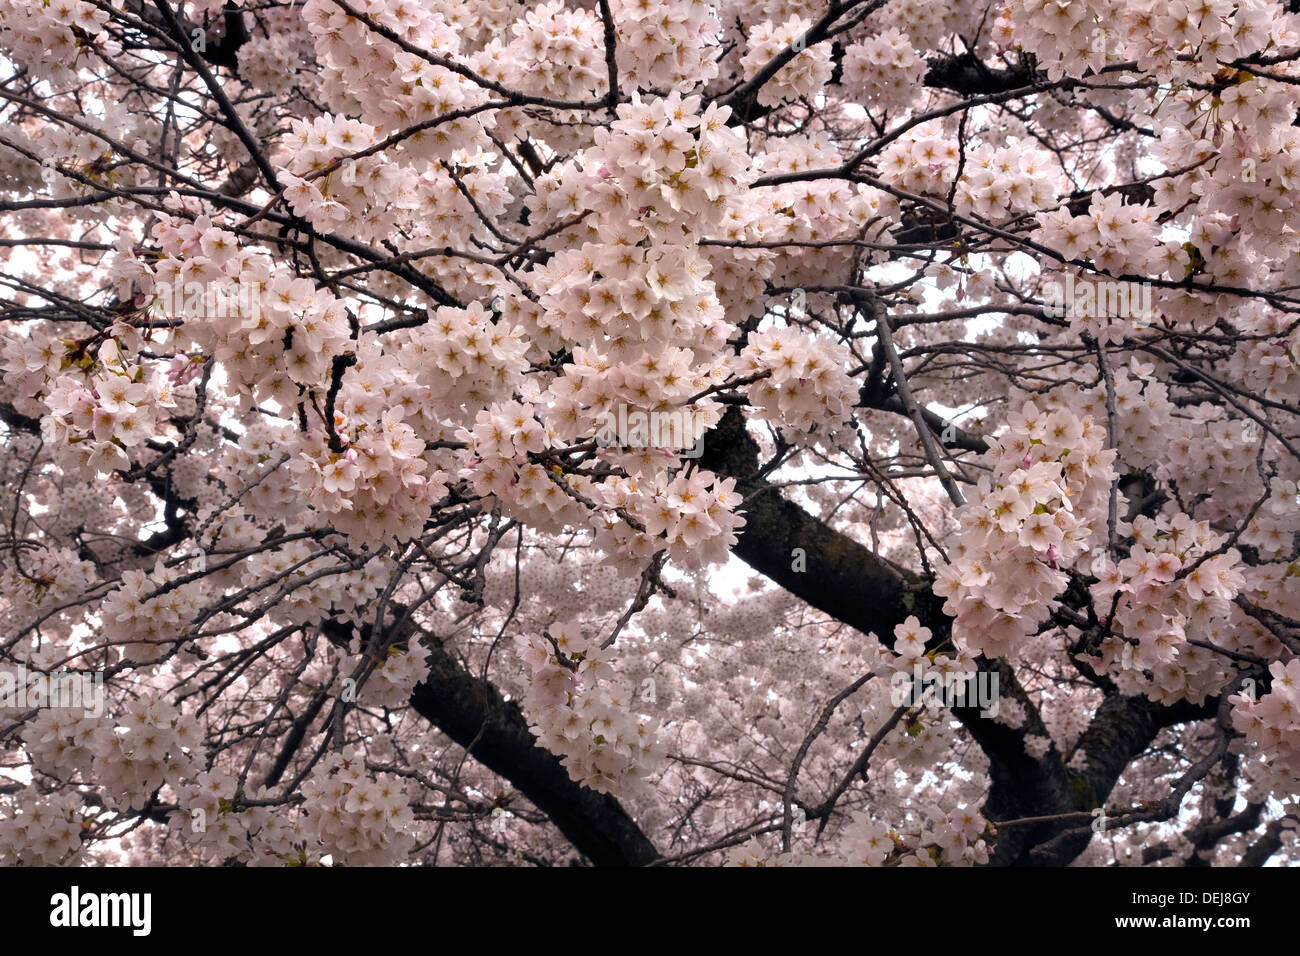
pixel 853 584
pixel 494 731
pixel 471 712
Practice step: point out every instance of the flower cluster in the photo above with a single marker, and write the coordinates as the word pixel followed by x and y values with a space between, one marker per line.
pixel 929 23
pixel 150 611
pixel 357 817
pixel 1072 38
pixel 1176 584
pixel 1271 724
pixel 804 385
pixel 155 743
pixel 664 44
pixel 362 197
pixel 807 215
pixel 467 359
pixel 884 70
pixel 390 683
pixel 106 407
pixel 1002 181
pixel 553 51
pixel 373 486
pixel 208 821
pixel 1269 364
pixel 933 838
pixel 1271 527
pixel 942 678
pixel 1147 434
pixel 366 76
pixel 65 743
pixel 316 577
pixel 695 516
pixel 270 62
pixel 1044 507
pixel 41 829
pixel 503 437
pixel 279 332
pixel 997 181
pixel 259 454
pixel 804 76
pixel 49 578
pixel 693 521
pixel 44 37
pixel 666 162
pixel 579 711
pixel 930 838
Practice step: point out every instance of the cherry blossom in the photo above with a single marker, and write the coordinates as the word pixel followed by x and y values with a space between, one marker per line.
pixel 462 432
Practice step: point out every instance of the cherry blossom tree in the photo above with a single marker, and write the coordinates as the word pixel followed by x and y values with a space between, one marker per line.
pixel 649 432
